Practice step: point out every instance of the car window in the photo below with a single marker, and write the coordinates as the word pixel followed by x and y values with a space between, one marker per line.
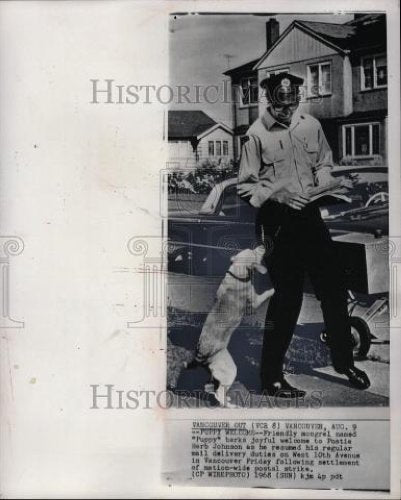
pixel 370 191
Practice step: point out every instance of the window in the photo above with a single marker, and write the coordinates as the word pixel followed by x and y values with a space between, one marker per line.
pixel 373 72
pixel 361 139
pixel 215 148
pixel 249 91
pixel 319 79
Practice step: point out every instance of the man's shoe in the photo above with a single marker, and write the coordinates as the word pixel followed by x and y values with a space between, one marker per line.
pixel 282 389
pixel 357 378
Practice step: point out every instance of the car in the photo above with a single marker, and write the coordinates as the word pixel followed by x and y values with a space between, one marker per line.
pixel 201 241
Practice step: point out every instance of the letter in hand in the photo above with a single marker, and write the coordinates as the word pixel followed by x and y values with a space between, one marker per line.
pixel 350 181
pixel 325 179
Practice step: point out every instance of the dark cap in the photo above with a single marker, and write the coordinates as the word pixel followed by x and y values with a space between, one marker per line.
pixel 282 88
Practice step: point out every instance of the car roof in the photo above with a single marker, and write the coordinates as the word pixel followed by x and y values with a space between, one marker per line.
pixel 212 200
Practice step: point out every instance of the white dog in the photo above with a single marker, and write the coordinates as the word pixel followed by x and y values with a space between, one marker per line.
pixel 235 296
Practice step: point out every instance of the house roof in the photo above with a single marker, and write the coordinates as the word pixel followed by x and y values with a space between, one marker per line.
pixel 362 32
pixel 365 19
pixel 192 124
pixel 187 124
pixel 370 33
pixel 339 35
pixel 242 69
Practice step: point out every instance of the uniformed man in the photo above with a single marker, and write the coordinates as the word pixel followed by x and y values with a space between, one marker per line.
pixel 285 155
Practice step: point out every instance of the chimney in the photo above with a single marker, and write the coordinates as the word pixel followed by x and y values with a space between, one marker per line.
pixel 272 32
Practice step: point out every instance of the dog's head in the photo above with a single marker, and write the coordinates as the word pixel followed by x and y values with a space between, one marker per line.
pixel 249 259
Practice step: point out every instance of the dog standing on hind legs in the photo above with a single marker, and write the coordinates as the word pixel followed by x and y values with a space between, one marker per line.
pixel 235 297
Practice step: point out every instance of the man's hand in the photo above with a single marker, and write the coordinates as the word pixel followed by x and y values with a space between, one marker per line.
pixel 349 183
pixel 324 178
pixel 295 200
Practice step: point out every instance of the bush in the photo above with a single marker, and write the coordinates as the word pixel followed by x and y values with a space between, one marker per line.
pixel 203 178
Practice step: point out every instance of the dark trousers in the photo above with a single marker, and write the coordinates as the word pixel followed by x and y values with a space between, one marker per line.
pixel 299 242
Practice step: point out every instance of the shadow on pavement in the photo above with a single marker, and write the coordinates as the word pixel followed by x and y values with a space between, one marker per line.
pixel 306 351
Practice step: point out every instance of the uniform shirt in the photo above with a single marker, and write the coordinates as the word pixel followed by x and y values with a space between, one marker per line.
pixel 275 155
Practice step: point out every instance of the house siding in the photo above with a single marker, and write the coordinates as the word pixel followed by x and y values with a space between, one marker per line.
pixel 180 154
pixel 347 86
pixel 329 106
pixel 296 46
pixel 245 115
pixel 217 135
pixel 347 103
pixel 373 99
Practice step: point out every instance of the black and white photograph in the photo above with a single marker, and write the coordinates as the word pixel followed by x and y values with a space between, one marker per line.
pixel 200 249
pixel 278 205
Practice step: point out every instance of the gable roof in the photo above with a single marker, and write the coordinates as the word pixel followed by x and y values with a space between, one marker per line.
pixel 333 35
pixel 210 130
pixel 363 19
pixel 339 35
pixel 366 30
pixel 187 124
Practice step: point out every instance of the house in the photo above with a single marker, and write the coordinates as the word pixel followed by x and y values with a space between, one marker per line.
pixel 194 137
pixel 344 67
